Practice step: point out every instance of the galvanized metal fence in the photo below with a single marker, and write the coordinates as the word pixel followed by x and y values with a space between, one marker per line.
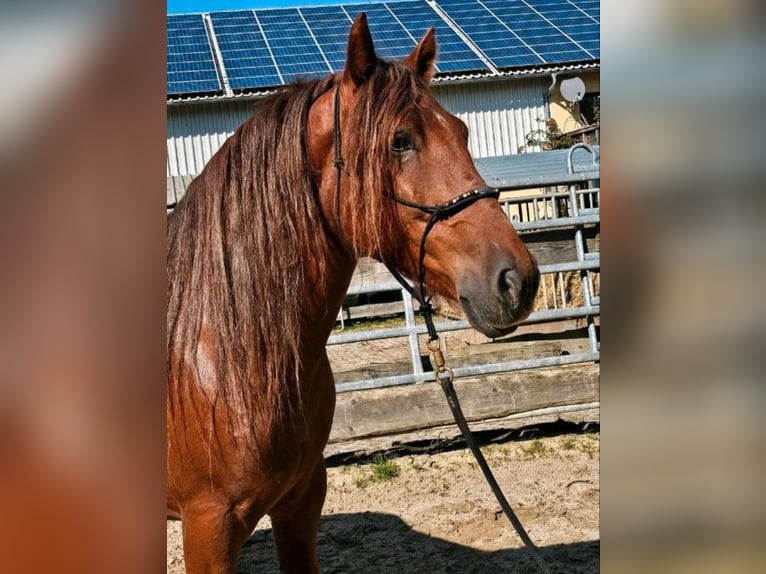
pixel 567 198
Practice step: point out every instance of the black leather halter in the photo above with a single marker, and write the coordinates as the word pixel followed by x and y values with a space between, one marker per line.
pixel 438 213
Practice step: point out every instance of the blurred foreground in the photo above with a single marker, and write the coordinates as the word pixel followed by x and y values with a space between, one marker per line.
pixel 684 325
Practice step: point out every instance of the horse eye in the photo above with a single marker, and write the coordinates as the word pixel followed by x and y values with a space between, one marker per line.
pixel 402 142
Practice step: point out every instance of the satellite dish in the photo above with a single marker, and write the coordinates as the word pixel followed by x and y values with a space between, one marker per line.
pixel 572 89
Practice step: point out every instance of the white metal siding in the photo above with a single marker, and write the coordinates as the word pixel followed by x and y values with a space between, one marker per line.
pixel 196 132
pixel 499 115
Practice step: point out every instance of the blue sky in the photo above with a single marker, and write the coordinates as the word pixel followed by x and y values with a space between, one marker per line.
pixel 183 6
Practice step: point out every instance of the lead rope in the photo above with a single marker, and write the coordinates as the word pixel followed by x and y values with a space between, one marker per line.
pixel 444 374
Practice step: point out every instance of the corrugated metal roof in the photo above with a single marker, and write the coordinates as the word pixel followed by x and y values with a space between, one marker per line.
pixel 538 169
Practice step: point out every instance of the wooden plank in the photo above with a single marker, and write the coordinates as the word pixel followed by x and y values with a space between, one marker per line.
pixel 387 411
pixel 373 310
pixel 368 276
pixel 558 246
pixel 448 432
pixel 472 355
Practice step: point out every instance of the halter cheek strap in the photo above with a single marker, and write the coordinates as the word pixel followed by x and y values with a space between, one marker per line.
pixel 338 162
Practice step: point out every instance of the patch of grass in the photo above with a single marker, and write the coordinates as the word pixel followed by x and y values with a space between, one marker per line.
pixel 587 444
pixel 590 446
pixel 534 449
pixel 362 481
pixel 383 468
pixel 569 442
pixel 494 453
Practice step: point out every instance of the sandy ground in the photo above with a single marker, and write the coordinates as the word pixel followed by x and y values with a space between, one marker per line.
pixel 437 515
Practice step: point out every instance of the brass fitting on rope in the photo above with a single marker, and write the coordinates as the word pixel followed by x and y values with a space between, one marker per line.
pixel 440 363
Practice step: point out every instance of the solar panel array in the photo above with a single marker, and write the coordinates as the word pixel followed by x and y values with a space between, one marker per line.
pixel 514 33
pixel 245 54
pixel 191 67
pixel 265 48
pixel 454 55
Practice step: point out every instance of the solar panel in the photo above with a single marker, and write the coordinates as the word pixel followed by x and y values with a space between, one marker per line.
pixel 537 32
pixel 493 37
pixel 245 53
pixel 295 50
pixel 330 26
pixel 573 21
pixel 591 7
pixel 190 66
pixel 453 54
pixel 522 33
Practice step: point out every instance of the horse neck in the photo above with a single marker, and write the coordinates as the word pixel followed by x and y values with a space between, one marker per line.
pixel 328 285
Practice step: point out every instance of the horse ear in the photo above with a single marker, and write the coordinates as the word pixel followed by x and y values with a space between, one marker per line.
pixel 423 56
pixel 360 57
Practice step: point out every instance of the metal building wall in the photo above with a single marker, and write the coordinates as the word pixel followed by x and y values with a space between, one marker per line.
pixel 196 131
pixel 499 114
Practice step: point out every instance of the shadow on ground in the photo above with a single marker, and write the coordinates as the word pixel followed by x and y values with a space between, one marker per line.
pixel 378 543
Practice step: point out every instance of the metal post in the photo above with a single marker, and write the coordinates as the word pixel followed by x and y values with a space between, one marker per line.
pixel 409 316
pixel 584 279
pixel 580 244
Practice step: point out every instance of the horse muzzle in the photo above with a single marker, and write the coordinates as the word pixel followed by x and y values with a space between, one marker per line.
pixel 495 303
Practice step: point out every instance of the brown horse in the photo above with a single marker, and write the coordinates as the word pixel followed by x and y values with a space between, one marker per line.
pixel 260 252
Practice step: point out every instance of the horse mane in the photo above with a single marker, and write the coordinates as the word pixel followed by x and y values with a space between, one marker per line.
pixel 240 239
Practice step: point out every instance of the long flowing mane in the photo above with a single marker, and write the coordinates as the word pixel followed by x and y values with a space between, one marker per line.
pixel 240 239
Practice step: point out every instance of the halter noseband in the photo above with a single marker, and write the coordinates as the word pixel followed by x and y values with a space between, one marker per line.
pixel 437 212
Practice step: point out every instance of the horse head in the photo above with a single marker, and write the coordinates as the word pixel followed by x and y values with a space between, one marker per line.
pixel 387 153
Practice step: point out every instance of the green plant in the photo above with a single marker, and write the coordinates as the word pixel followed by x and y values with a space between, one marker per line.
pixel 361 481
pixel 383 468
pixel 534 449
pixel 569 443
pixel 590 445
pixel 586 444
pixel 590 109
pixel 548 137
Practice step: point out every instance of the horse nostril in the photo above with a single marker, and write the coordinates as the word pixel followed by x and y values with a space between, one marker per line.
pixel 509 280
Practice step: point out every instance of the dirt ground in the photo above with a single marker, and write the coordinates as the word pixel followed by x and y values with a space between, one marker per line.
pixel 437 515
